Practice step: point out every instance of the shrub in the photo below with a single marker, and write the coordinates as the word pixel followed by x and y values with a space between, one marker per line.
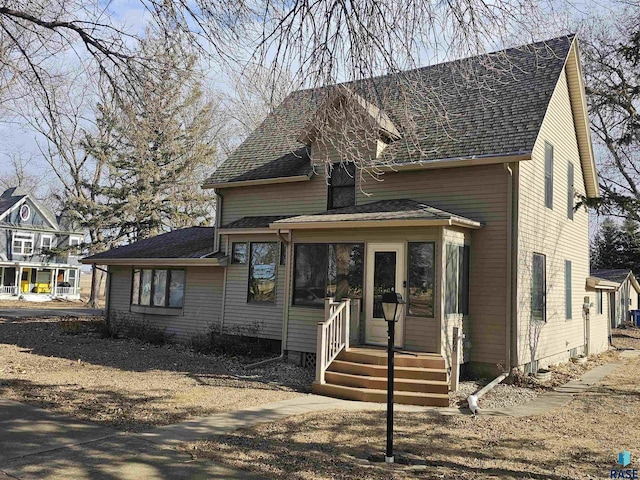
pixel 130 326
pixel 235 340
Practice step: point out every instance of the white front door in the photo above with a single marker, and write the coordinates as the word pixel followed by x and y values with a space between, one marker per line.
pixel 385 273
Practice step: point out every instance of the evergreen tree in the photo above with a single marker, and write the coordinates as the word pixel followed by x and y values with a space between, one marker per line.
pixel 160 146
pixel 630 235
pixel 607 249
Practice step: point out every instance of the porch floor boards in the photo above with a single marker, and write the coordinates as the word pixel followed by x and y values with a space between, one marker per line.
pixel 361 374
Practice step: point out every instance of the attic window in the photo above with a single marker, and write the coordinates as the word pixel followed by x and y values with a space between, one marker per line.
pixel 342 186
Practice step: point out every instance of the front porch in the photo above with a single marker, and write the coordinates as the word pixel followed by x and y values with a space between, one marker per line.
pixel 39 282
pixel 346 368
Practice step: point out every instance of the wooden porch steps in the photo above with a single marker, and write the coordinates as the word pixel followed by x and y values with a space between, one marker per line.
pixel 361 374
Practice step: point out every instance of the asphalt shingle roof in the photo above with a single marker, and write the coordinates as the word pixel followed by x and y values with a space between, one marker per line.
pixel 494 105
pixel 402 209
pixel 193 242
pixel 613 274
pixel 253 222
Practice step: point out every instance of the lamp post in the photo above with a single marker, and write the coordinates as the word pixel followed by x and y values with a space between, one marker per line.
pixel 392 309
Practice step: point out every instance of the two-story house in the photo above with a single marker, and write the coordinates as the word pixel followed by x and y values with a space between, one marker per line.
pixel 472 219
pixel 37 258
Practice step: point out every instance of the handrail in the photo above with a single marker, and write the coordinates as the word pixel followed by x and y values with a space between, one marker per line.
pixel 333 335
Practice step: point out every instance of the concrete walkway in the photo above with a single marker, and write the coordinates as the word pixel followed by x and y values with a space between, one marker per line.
pixel 36 444
pixel 17 313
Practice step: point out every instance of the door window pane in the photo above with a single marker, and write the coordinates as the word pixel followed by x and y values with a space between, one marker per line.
pixel 176 288
pixel 159 287
pixel 145 287
pixel 262 272
pixel 310 277
pixel 421 279
pixel 384 279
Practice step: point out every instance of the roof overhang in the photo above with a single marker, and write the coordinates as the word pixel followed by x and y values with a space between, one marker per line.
pixel 634 282
pixel 601 283
pixel 320 225
pixel 246 231
pixel 263 181
pixel 470 161
pixel 158 262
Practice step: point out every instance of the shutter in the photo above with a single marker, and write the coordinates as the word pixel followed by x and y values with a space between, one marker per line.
pixel 548 175
pixel 570 192
pixel 567 288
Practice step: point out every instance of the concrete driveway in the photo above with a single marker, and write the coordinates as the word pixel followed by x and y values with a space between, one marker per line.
pixel 17 313
pixel 36 444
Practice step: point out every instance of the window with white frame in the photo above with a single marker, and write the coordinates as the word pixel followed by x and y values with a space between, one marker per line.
pixel 22 244
pixel 46 241
pixel 74 241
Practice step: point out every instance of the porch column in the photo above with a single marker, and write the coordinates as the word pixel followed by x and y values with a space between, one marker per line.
pixel 54 282
pixel 18 279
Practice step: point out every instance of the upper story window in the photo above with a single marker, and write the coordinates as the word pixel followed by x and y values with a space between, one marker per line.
pixel 342 186
pixel 74 241
pixel 570 191
pixel 548 175
pixel 46 242
pixel 25 212
pixel 22 243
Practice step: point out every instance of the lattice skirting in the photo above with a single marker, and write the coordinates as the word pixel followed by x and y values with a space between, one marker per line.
pixel 309 360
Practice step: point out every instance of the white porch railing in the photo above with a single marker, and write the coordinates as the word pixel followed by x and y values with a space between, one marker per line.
pixel 333 335
pixel 8 290
pixel 65 290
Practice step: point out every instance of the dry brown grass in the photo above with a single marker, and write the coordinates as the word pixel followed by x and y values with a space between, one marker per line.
pixel 625 338
pixel 129 385
pixel 580 440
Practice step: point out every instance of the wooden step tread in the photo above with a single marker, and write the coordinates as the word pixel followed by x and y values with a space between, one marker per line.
pixel 396 379
pixel 400 384
pixel 380 396
pixel 384 367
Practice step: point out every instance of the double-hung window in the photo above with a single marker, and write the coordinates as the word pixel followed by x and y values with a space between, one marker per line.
pixel 263 262
pixel 342 186
pixel 158 287
pixel 421 276
pixel 457 279
pixel 22 244
pixel 74 242
pixel 539 288
pixel 46 242
pixel 548 175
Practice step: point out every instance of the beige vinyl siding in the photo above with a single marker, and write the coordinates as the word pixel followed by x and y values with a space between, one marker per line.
pixel 239 314
pixel 202 301
pixel 479 193
pixel 598 332
pixel 421 334
pixel 294 198
pixel 552 233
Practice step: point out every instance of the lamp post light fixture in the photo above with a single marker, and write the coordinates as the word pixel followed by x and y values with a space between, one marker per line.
pixel 392 310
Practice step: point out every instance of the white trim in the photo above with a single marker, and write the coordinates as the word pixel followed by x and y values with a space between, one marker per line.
pixel 247 231
pixel 371 249
pixel 27 237
pixel 42 237
pixel 16 205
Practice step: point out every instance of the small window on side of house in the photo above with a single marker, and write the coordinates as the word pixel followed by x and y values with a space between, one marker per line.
pixel 263 261
pixel 548 175
pixel 45 242
pixel 239 253
pixel 599 301
pixel 283 253
pixel 342 186
pixel 539 288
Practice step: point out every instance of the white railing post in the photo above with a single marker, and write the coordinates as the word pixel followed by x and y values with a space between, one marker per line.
pixel 320 353
pixel 347 323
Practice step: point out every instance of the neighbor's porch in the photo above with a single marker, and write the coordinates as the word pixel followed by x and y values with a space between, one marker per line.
pixel 39 280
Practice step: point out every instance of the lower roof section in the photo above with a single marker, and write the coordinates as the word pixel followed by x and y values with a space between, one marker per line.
pixel 384 213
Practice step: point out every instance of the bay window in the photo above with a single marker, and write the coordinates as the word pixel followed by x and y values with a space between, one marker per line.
pixel 158 287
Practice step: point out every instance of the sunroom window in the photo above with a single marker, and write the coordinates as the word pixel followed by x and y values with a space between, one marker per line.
pixel 327 270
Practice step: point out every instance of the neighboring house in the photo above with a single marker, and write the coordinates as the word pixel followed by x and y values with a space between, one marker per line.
pixel 476 228
pixel 618 294
pixel 37 260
